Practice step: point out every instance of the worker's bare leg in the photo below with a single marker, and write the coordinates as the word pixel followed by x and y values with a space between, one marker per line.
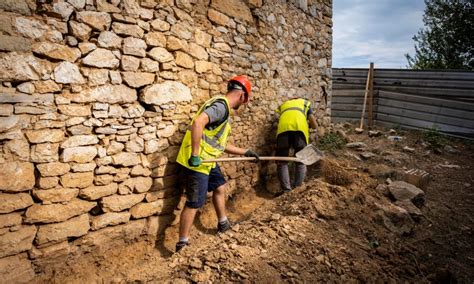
pixel 300 174
pixel 218 199
pixel 284 176
pixel 186 221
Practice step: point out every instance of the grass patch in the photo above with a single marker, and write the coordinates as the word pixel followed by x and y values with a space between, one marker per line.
pixel 331 141
pixel 434 137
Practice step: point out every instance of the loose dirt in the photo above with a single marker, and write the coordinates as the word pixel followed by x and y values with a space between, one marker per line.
pixel 339 226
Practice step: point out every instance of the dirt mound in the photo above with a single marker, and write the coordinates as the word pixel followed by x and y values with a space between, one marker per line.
pixel 339 226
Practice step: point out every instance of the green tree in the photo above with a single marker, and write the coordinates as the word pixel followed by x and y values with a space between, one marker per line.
pixel 447 40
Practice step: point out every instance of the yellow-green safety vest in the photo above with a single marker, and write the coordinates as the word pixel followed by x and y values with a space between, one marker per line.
pixel 212 144
pixel 293 117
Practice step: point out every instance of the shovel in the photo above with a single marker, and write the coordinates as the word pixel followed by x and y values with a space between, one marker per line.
pixel 308 156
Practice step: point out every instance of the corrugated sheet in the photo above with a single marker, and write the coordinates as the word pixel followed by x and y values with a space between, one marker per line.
pixel 408 98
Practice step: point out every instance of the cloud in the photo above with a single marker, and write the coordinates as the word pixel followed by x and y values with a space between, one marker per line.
pixel 378 31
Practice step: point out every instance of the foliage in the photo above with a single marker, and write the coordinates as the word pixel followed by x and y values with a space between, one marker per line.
pixel 435 138
pixel 446 41
pixel 331 141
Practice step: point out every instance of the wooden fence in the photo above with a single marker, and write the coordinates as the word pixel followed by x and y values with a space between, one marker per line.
pixel 408 98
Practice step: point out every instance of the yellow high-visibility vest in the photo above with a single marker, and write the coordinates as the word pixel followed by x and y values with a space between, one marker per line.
pixel 212 144
pixel 293 117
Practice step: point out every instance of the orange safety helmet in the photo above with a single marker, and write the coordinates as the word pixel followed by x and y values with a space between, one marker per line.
pixel 243 82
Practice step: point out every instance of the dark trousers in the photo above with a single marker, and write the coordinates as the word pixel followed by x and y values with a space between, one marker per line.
pixel 285 141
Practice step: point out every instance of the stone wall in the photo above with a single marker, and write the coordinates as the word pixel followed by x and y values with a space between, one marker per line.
pixel 96 95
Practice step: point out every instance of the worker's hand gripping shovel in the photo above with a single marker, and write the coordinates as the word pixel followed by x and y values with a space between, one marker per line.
pixel 308 156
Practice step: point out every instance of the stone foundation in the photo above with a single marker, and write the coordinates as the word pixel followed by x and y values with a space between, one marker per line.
pixel 96 96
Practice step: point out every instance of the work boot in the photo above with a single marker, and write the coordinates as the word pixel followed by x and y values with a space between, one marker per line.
pixel 222 227
pixel 180 245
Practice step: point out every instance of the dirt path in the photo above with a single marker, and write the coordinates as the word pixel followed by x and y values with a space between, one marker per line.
pixel 320 232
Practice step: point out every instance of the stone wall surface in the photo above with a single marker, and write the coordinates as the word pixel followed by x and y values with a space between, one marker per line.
pixel 96 96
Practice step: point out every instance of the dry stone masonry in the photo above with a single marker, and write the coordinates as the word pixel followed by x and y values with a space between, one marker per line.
pixel 95 97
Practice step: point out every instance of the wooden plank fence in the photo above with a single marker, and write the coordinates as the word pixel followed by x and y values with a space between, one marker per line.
pixel 408 98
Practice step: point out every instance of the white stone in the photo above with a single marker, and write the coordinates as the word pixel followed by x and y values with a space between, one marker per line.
pixel 109 40
pixel 101 58
pixel 166 92
pixel 68 73
pixel 161 54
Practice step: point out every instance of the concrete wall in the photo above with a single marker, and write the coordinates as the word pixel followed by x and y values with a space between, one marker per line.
pixel 95 96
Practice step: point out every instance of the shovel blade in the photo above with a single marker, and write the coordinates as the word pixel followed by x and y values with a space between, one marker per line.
pixel 309 155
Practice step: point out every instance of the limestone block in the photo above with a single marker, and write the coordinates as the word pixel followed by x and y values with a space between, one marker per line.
pixel 56 51
pixel 184 60
pixel 139 170
pixel 218 17
pixel 31 28
pixel 17 268
pixel 401 190
pixel 203 66
pixel 129 63
pixel 80 140
pixel 103 179
pixel 118 203
pixel 202 38
pixel 19 67
pixel 127 30
pixel 44 153
pixel 109 39
pixel 74 227
pixel 161 54
pixel 96 76
pixel 224 47
pixel 6 110
pixel 48 86
pixel 109 219
pixel 112 94
pixel 96 192
pixel 126 159
pixel 53 213
pixel 115 77
pixel 233 8
pixel 97 20
pixel 27 88
pixel 79 154
pixel 7 123
pixel 45 135
pixel 16 176
pixel 103 6
pixel 131 8
pixel 101 58
pixel 182 30
pixel 137 185
pixel 166 132
pixel 14 43
pixel 166 92
pixel 87 167
pixel 53 169
pixel 68 73
pixel 174 43
pixel 138 79
pixel 114 148
pixel 164 182
pixel 149 65
pixel 75 110
pixel 56 195
pixel 160 25
pixel 47 182
pixel 80 30
pixel 79 180
pixel 16 6
pixel 78 4
pixel 188 77
pixel 155 39
pixel 10 220
pixel 134 46
pixel 198 51
pixel 142 210
pixel 13 202
pixel 62 9
pixel 15 242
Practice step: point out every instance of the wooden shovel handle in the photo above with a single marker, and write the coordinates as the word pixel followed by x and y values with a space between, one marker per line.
pixel 238 159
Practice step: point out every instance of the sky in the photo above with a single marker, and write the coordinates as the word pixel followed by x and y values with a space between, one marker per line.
pixel 378 31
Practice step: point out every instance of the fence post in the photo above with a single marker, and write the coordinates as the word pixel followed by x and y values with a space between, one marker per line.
pixel 370 117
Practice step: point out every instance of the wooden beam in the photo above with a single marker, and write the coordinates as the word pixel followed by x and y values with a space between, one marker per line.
pixel 370 121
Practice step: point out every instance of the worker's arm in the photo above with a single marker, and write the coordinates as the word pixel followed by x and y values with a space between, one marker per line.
pixel 231 149
pixel 312 122
pixel 196 132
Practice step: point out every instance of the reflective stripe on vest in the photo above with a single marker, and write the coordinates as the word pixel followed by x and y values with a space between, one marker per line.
pixel 293 117
pixel 212 143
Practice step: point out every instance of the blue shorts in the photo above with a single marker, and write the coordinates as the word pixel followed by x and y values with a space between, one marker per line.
pixel 197 185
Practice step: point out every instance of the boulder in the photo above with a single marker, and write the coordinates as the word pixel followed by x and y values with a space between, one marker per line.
pixel 401 191
pixel 16 176
pixel 53 213
pixel 166 92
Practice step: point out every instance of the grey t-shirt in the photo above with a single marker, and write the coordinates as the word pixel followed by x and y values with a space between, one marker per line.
pixel 217 113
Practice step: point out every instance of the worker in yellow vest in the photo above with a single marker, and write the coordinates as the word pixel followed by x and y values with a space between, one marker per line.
pixel 293 132
pixel 206 138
